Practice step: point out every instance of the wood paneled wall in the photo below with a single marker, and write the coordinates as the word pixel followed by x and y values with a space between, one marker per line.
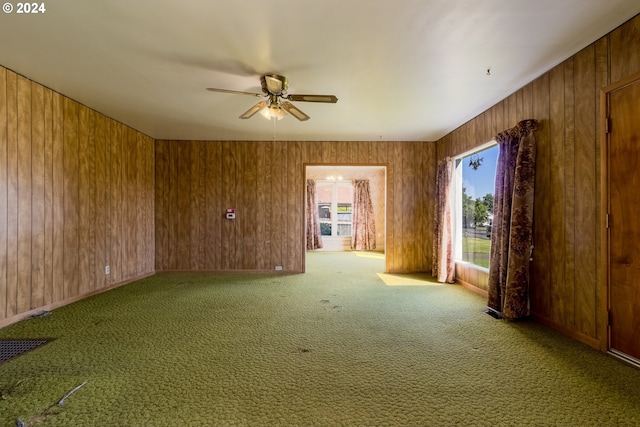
pixel 264 182
pixel 566 291
pixel 76 194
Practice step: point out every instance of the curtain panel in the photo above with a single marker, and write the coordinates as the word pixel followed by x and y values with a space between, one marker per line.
pixel 314 239
pixel 363 233
pixel 512 228
pixel 443 268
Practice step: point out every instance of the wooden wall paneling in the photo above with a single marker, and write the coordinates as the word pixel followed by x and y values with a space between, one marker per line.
pixel 262 209
pixel 147 155
pixel 147 211
pixel 215 209
pixel 527 101
pixel 554 300
pixel 182 210
pixel 57 195
pixel 424 206
pixel 568 291
pixel 428 196
pixel 133 190
pixel 71 244
pixel 602 80
pixel 48 266
pixel 229 201
pixel 328 152
pixel 172 212
pixel 116 155
pixel 238 242
pixel 384 153
pixel 131 187
pixel 585 239
pixel 24 195
pixel 196 205
pixel 150 197
pixel 124 202
pixel 37 196
pixel 625 50
pixel 4 205
pixel 368 153
pixel 313 152
pixel 570 189
pixel 278 168
pixel 86 201
pixel 487 135
pixel 398 215
pixel 343 152
pixel 542 264
pixel 251 207
pixel 409 207
pixel 295 201
pixel 161 204
pixel 12 193
pixel 509 116
pixel 101 206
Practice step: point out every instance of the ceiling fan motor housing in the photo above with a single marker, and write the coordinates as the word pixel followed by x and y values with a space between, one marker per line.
pixel 274 84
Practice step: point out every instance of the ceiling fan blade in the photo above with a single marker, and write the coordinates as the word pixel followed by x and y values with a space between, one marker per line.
pixel 236 92
pixel 314 98
pixel 251 111
pixel 294 111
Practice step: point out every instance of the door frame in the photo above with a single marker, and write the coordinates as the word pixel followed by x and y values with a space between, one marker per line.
pixel 336 166
pixel 604 297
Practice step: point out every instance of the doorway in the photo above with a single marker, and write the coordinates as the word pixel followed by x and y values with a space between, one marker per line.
pixel 335 193
pixel 623 230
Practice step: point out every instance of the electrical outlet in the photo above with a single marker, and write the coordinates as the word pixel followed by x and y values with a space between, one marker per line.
pixel 278 268
pixel 107 269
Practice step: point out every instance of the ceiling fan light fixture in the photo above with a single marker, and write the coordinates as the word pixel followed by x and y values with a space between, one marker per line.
pixel 273 111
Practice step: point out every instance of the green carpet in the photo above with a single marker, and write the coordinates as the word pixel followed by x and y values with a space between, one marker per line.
pixel 338 346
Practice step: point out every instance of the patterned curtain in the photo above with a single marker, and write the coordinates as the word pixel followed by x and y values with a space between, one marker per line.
pixel 314 240
pixel 512 229
pixel 443 266
pixel 363 233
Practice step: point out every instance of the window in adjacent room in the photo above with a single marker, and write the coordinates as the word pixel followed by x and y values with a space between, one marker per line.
pixel 474 181
pixel 335 207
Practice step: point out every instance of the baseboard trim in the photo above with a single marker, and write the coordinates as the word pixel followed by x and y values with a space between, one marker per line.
pixel 590 341
pixel 472 288
pixel 273 272
pixel 49 307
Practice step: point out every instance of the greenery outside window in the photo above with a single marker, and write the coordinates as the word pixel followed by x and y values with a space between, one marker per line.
pixel 474 181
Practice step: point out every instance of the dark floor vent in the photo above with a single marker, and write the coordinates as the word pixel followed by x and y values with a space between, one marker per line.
pixel 493 313
pixel 14 348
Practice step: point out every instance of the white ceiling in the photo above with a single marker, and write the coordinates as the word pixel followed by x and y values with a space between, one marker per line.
pixel 402 69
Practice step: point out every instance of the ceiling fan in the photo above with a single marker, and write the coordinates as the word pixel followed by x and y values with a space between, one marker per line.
pixel 276 104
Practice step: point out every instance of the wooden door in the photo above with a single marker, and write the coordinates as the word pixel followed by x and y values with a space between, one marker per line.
pixel 624 221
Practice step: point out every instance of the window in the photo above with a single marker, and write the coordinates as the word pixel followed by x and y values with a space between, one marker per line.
pixel 474 181
pixel 335 207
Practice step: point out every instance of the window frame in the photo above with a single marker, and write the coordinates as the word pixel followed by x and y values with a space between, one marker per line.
pixel 334 218
pixel 457 183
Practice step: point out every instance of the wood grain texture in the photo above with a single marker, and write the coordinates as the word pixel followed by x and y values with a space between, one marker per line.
pixel 25 160
pixel 58 161
pixel 567 289
pixel 540 271
pixel 12 195
pixel 264 182
pixel 553 302
pixel 37 196
pixel 4 205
